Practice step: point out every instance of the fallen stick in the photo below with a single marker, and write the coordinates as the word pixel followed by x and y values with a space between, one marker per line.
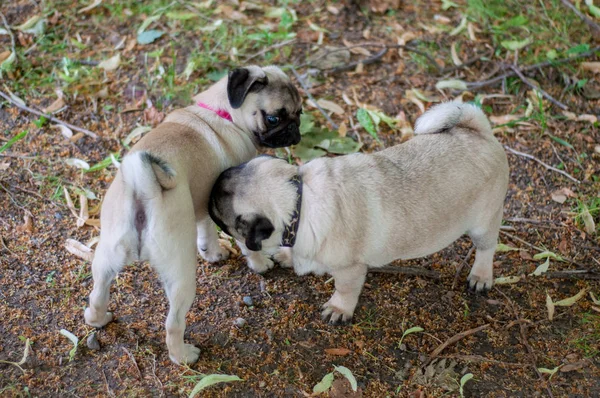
pixel 479 358
pixel 51 118
pixel 453 340
pixel 414 271
pixel 310 96
pixel 539 89
pixel 526 155
pixel 583 274
pixel 593 26
pixel 461 266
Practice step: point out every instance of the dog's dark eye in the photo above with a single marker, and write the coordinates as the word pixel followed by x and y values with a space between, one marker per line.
pixel 272 120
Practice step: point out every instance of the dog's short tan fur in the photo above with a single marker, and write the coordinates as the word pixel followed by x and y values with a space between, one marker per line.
pixel 156 208
pixel 361 211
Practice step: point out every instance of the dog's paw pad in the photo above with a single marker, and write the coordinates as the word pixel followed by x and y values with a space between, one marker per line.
pixel 189 355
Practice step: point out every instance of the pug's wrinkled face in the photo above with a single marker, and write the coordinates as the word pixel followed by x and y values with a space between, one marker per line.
pixel 249 202
pixel 265 102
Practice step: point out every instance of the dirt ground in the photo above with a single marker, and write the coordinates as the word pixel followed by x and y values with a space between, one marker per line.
pixel 284 349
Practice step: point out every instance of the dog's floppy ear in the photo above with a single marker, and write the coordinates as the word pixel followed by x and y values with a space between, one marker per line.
pixel 259 229
pixel 242 81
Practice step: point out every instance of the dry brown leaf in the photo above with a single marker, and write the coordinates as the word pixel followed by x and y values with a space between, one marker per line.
pixel 471 31
pixel 56 105
pixel 337 351
pixel 79 249
pixel 230 13
pixel 405 38
pixel 83 211
pixel 4 55
pixel 152 116
pixel 591 66
pixel 412 97
pixel 94 222
pixel 333 10
pixel 455 58
pixel 343 130
pixel 573 366
pixel 64 130
pixel 70 203
pixel 503 119
pixel 27 225
pixel 356 50
pixel 550 306
pixel 330 106
pixel 76 137
pixel 588 220
pixel 4 166
pixel 525 255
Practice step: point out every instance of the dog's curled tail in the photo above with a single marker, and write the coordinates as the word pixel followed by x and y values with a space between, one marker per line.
pixel 147 174
pixel 444 117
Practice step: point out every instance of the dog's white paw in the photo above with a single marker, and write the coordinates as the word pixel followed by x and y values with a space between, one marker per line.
pixel 337 310
pixel 97 320
pixel 188 355
pixel 214 254
pixel 260 264
pixel 480 282
pixel 284 257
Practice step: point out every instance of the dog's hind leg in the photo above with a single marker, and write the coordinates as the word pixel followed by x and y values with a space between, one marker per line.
pixel 109 259
pixel 208 242
pixel 485 239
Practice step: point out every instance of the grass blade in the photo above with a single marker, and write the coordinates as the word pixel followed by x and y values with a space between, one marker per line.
pixel 13 140
pixel 210 380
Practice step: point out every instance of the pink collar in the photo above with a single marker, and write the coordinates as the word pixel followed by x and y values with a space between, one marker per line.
pixel 221 112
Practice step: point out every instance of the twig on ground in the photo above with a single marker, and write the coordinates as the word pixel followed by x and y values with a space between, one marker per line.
pixel 539 89
pixel 12 198
pixel 415 271
pixel 525 155
pixel 366 61
pixel 589 22
pixel 310 96
pixel 583 274
pixel 528 221
pixel 479 358
pixel 130 355
pixel 453 340
pixel 525 342
pixel 498 79
pixel 461 266
pixel 51 118
pixel 540 249
pixel 273 47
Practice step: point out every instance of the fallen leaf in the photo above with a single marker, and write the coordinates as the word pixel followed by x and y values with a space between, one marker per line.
pixel 573 366
pixel 27 225
pixel 525 255
pixel 337 351
pixel 591 66
pixel 111 63
pixel 331 106
pixel 514 45
pixel 95 4
pixel 70 204
pixel 149 36
pixel 588 220
pixel 4 166
pixel 549 306
pixel 412 97
pixel 594 299
pixel 64 130
pixel 542 268
pixel 55 106
pixel 83 211
pixel 79 249
pixel 333 10
pixel 506 280
pixel 152 116
pixel 455 59
pixel 354 49
pixel 230 13
pixel 571 300
pixel 503 119
pixel 561 195
pixel 343 129
pixel 454 84
pixel 501 247
pixel 135 133
pixel 81 164
pixel 460 27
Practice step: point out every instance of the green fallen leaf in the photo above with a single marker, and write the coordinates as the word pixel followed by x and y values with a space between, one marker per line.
pixel 414 329
pixel 343 146
pixel 348 375
pixel 324 384
pixel 107 161
pixel 365 120
pixel 307 154
pixel 74 340
pixel 541 268
pixel 135 133
pixel 551 372
pixel 147 23
pixel 210 380
pixel 8 63
pixel 181 15
pixel 507 280
pixel 571 300
pixel 561 141
pixel 463 381
pixel 547 254
pixel 595 11
pixel 501 247
pixel 460 27
pixel 516 44
pixel 149 36
pixel 454 84
pixel 446 4
pixel 13 140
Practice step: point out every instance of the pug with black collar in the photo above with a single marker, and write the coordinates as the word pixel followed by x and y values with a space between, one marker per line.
pixel 342 215
pixel 156 209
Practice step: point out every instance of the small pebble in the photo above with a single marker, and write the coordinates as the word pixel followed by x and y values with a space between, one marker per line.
pixel 248 301
pixel 92 342
pixel 240 322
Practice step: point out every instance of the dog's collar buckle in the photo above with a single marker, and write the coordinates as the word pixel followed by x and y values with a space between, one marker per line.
pixel 221 112
pixel 291 230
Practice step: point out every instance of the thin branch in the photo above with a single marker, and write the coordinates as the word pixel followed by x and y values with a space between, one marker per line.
pixel 310 96
pixel 592 25
pixel 51 118
pixel 130 355
pixel 454 339
pixel 270 48
pixel 498 79
pixel 366 61
pixel 525 155
pixel 10 33
pixel 528 221
pixel 461 266
pixel 539 89
pixel 479 358
pixel 414 271
pixel 583 274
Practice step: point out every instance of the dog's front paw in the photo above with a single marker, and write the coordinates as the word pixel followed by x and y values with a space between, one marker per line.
pixel 337 311
pixel 284 257
pixel 96 319
pixel 480 283
pixel 260 264
pixel 187 355
pixel 214 254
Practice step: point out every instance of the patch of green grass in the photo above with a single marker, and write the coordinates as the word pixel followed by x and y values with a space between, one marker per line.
pixel 593 207
pixel 588 342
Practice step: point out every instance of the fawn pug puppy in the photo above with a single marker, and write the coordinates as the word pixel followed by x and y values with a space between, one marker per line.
pixel 342 215
pixel 156 209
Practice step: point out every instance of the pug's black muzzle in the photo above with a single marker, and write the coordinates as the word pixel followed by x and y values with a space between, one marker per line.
pixel 281 136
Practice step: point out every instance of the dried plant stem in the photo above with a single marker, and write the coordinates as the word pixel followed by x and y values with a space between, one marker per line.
pixel 525 155
pixel 454 339
pixel 539 89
